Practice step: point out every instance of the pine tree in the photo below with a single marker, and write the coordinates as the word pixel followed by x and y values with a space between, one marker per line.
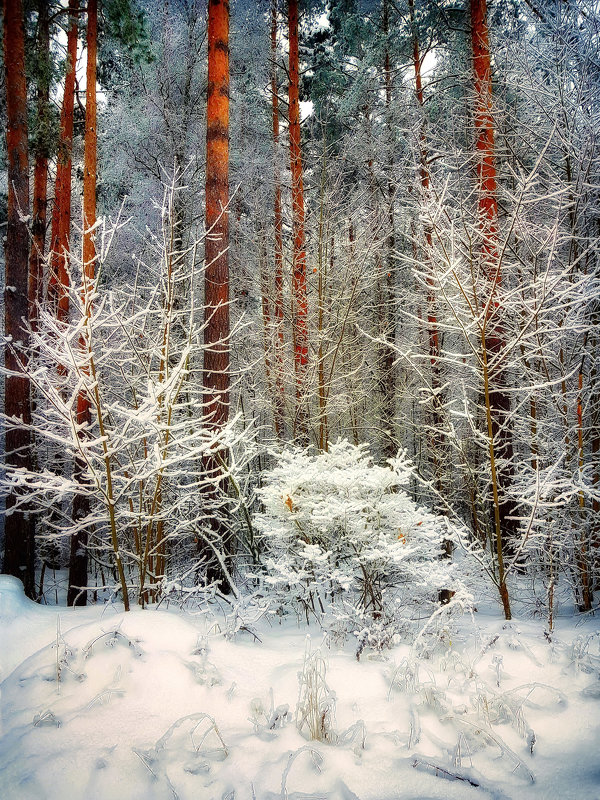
pixel 58 280
pixel 277 322
pixel 19 555
pixel 41 147
pixel 497 401
pixel 299 289
pixel 216 276
pixel 78 562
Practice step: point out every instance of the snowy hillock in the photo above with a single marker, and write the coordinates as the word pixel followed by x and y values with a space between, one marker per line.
pixel 160 704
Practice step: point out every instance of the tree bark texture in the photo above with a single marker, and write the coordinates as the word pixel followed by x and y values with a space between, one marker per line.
pixel 79 561
pixel 490 257
pixel 492 338
pixel 299 290
pixel 91 144
pixel 216 333
pixel 278 343
pixel 433 334
pixel 58 282
pixel 40 171
pixel 18 528
pixel 388 356
pixel 216 277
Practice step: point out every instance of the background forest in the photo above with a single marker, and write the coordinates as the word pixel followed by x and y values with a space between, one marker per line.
pixel 320 324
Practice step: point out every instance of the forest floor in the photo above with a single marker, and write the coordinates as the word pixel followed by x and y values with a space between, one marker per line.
pixel 159 704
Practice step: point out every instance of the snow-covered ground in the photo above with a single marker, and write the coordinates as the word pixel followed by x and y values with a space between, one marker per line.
pixel 159 704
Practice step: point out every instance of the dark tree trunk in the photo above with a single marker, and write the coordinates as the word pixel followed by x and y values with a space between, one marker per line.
pixel 40 172
pixel 278 343
pixel 19 554
pixel 388 313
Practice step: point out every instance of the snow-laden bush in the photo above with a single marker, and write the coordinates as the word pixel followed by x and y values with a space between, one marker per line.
pixel 337 527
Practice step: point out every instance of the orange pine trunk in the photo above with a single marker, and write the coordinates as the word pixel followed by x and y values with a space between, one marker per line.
pixel 484 132
pixel 91 145
pixel 58 283
pixel 216 277
pixel 18 530
pixel 299 292
pixel 497 399
pixel 79 561
pixel 488 223
pixel 216 333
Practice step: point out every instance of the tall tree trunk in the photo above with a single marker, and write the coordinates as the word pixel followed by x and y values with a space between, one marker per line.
pixel 436 437
pixel 58 282
pixel 299 291
pixel 81 508
pixel 492 336
pixel 432 324
pixel 279 403
pixel 216 297
pixel 40 172
pixel 19 555
pixel 387 357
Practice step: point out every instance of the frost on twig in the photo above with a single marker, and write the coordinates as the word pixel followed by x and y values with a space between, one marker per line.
pixel 315 710
pixel 64 659
pixel 268 718
pixel 112 690
pixel 316 760
pixel 204 671
pixel 204 727
pixel 111 638
pixel 441 772
pixel 483 736
pixel 46 717
pixel 200 745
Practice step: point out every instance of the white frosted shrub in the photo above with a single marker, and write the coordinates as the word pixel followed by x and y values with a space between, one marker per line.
pixel 336 527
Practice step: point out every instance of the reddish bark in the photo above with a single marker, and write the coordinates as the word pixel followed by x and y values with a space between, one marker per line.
pixel 216 333
pixel 216 278
pixel 18 530
pixel 78 562
pixel 91 144
pixel 484 142
pixel 494 338
pixel 299 291
pixel 58 284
